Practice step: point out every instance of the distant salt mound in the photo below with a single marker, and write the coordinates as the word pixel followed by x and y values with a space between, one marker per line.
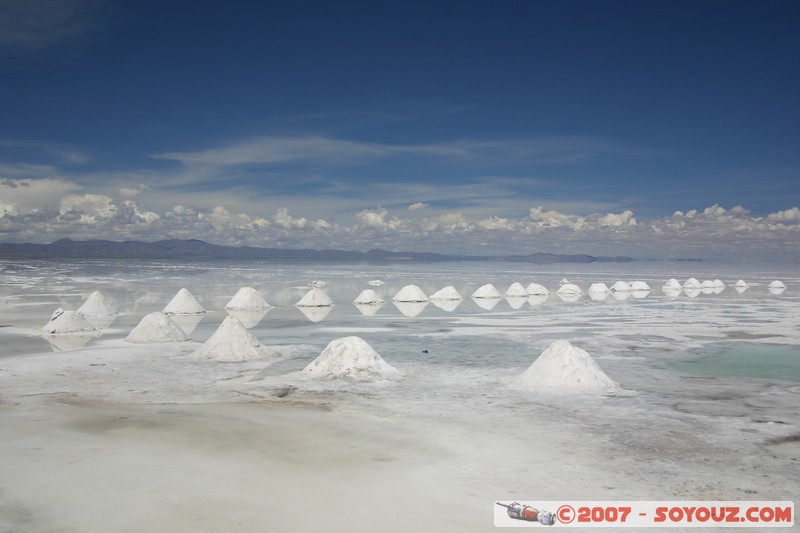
pixel 448 293
pixel 157 327
pixel 184 303
pixel 718 284
pixel 97 305
pixel 598 288
pixel 350 358
pixel 316 297
pixel 487 291
pixel 692 283
pixel 376 282
pixel 621 286
pixel 569 289
pixel 516 289
pixel 67 322
pixel 672 284
pixel 537 290
pixel 232 343
pixel 639 286
pixel 368 297
pixel 741 284
pixel 247 298
pixel 410 293
pixel 777 284
pixel 707 284
pixel 565 369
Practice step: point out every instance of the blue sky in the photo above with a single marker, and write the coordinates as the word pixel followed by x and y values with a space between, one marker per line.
pixel 643 128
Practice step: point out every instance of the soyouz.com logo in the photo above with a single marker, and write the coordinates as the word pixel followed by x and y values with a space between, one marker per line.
pixel 644 514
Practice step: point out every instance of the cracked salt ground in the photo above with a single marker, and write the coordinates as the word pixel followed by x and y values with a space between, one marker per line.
pixel 147 437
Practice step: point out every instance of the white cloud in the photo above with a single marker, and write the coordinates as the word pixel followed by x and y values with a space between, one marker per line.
pixel 789 215
pixel 417 205
pixel 283 219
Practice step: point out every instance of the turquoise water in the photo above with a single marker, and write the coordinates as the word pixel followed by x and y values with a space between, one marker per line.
pixel 746 360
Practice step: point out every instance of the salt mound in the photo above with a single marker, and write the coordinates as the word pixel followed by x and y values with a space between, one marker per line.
pixel 516 289
pixel 598 288
pixel 247 298
pixel 565 369
pixel 368 297
pixel 448 293
pixel 691 283
pixel 376 282
pixel 621 286
pixel 233 343
pixel 707 284
pixel 776 285
pixel 671 285
pixel 640 286
pixel 67 322
pixel 96 305
pixel 184 303
pixel 536 289
pixel 487 291
pixel 741 283
pixel 316 297
pixel 350 358
pixel 157 327
pixel 569 289
pixel 717 283
pixel 410 293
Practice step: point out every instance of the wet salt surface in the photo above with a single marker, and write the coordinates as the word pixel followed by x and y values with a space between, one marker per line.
pixel 162 442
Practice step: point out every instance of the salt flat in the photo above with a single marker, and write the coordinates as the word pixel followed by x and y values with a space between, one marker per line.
pixel 117 436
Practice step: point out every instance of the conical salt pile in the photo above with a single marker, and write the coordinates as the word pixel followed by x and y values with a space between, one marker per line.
pixel 184 303
pixel 672 284
pixel 621 286
pixel 157 327
pixel 67 322
pixel 96 305
pixel 350 358
pixel 598 288
pixel 536 289
pixel 233 343
pixel 516 289
pixel 316 297
pixel 639 286
pixel 691 283
pixel 410 293
pixel 565 369
pixel 247 298
pixel 569 289
pixel 368 297
pixel 448 293
pixel 487 291
pixel 777 284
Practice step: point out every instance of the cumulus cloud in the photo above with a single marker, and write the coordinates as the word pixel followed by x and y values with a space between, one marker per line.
pixel 789 215
pixel 417 205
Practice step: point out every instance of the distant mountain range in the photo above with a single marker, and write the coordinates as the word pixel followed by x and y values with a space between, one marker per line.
pixel 196 249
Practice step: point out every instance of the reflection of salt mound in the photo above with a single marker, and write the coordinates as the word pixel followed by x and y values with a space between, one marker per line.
pixel 536 289
pixel 96 305
pixel 156 328
pixel 315 314
pixel 350 358
pixel 411 309
pixel 487 291
pixel 448 293
pixel 565 369
pixel 67 322
pixel 184 303
pixel 68 343
pixel 516 289
pixel 537 299
pixel 233 343
pixel 247 298
pixel 692 293
pixel 316 297
pixel 447 305
pixel 188 323
pixel 776 285
pixel 410 293
pixel 692 283
pixel 368 297
pixel 516 302
pixel 486 303
pixel 621 286
pixel 368 309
